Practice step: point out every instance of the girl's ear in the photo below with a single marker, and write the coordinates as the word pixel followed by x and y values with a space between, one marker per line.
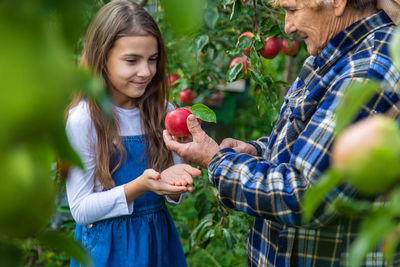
pixel 338 7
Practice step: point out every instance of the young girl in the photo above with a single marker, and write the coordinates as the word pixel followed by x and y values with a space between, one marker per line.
pixel 117 199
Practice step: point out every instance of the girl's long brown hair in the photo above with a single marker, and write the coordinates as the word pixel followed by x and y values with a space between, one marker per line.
pixel 114 20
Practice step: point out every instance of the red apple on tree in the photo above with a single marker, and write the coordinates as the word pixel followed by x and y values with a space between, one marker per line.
pixel 251 36
pixel 290 47
pixel 238 60
pixel 273 45
pixel 187 96
pixel 172 78
pixel 216 99
pixel 175 122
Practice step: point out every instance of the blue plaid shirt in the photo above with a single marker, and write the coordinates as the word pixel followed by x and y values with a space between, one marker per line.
pixel 271 186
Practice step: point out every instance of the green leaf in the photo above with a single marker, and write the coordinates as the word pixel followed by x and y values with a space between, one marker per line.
pixel 200 42
pixel 394 49
pixel 10 254
pixel 64 243
pixel 236 10
pixel 211 17
pixel 391 243
pixel 200 228
pixel 93 86
pixel 209 234
pixel 234 72
pixel 214 53
pixel 259 43
pixel 395 201
pixel 351 208
pixel 62 146
pixel 316 194
pixel 373 229
pixel 244 42
pixel 261 100
pixel 210 257
pixel 203 112
pixel 202 205
pixel 276 30
pixel 255 60
pixel 228 2
pixel 229 238
pixel 190 15
pixel 258 77
pixel 355 96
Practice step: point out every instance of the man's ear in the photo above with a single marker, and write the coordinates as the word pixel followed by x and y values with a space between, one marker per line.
pixel 338 7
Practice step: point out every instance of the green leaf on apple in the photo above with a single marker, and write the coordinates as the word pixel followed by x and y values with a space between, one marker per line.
pixel 203 112
pixel 244 42
pixel 234 72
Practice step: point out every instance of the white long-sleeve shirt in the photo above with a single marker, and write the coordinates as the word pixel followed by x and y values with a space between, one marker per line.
pixel 88 200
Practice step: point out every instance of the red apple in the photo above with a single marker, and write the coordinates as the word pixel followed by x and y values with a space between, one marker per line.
pixel 216 99
pixel 251 36
pixel 175 122
pixel 290 49
pixel 187 96
pixel 238 60
pixel 172 78
pixel 273 45
pixel 217 96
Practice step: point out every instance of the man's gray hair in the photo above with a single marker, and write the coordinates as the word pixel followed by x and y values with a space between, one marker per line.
pixel 356 4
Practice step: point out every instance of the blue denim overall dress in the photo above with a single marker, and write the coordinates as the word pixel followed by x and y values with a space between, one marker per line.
pixel 145 238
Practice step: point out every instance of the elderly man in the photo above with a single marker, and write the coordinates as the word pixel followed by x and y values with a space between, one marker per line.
pixel 267 178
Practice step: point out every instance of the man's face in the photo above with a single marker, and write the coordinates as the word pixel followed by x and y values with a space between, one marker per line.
pixel 313 25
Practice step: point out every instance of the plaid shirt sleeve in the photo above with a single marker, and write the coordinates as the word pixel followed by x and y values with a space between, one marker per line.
pixel 261 144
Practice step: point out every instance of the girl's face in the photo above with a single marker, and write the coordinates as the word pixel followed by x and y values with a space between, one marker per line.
pixel 131 65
